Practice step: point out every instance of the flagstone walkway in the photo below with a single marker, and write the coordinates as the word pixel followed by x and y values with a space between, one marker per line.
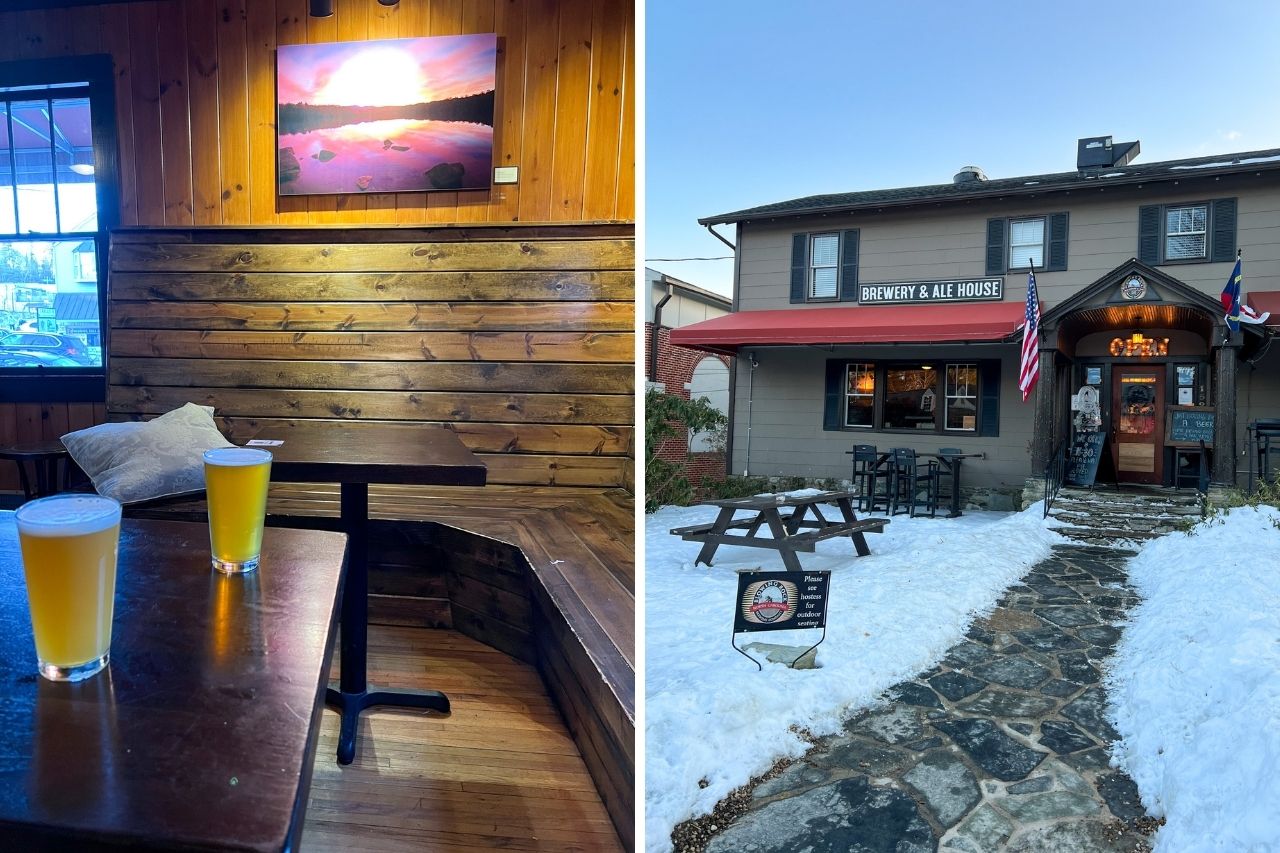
pixel 1002 747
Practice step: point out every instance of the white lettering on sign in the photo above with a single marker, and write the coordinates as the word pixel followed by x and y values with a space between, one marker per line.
pixel 958 290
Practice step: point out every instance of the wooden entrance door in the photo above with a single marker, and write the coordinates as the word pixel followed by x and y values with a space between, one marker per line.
pixel 1137 423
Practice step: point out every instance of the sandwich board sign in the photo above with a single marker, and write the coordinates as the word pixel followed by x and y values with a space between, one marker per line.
pixel 781 601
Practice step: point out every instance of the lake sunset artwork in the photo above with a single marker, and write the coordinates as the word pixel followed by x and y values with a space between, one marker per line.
pixel 394 115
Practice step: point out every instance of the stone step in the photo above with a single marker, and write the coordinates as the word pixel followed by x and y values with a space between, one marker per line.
pixel 1173 522
pixel 1097 535
pixel 1121 509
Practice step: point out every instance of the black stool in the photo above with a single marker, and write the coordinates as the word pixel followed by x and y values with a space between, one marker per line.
pixel 867 476
pixel 907 481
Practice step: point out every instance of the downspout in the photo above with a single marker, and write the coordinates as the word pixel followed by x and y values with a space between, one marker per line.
pixel 657 326
pixel 716 234
pixel 751 382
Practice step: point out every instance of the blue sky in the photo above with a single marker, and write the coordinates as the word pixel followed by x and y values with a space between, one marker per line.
pixel 750 102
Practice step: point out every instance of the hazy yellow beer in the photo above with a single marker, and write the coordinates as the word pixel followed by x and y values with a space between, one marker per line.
pixel 69 545
pixel 235 479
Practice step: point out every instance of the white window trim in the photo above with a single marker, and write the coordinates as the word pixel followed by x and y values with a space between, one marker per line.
pixel 1021 263
pixel 810 278
pixel 1204 251
pixel 948 396
pixel 848 394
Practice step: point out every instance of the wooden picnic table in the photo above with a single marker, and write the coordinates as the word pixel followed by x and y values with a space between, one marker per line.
pixel 799 530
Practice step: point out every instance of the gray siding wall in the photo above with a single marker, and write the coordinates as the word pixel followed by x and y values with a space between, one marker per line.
pixel 785 401
pixel 940 244
pixel 1257 396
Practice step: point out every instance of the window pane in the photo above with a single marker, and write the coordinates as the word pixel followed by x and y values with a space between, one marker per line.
pixel 77 193
pixel 31 131
pixel 1026 243
pixel 911 398
pixel 860 385
pixel 48 305
pixel 962 396
pixel 1185 246
pixel 7 223
pixel 824 283
pixel 826 250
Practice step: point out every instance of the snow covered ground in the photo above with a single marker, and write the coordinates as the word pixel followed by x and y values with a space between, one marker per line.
pixel 713 721
pixel 1195 685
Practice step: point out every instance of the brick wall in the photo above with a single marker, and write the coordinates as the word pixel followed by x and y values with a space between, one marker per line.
pixel 675 370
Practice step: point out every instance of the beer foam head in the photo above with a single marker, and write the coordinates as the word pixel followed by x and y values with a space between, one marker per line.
pixel 237 456
pixel 68 515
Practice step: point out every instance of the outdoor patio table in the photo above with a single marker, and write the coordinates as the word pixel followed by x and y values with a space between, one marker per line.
pixel 201 733
pixel 950 463
pixel 787 536
pixel 355 455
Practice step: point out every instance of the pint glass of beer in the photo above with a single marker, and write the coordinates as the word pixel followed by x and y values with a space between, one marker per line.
pixel 236 480
pixel 69 545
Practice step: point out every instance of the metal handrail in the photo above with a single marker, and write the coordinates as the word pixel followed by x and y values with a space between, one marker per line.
pixel 1054 473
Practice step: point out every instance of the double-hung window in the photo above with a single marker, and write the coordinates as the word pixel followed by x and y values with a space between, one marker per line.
pixel 1026 243
pixel 824 266
pixel 860 395
pixel 1187 232
pixel 56 209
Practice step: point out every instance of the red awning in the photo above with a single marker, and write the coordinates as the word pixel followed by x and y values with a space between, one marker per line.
pixel 871 324
pixel 1267 300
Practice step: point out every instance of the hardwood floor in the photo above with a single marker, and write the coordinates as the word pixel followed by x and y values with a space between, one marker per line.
pixel 499 772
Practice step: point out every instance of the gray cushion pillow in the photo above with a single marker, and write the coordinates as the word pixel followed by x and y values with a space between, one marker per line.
pixel 141 461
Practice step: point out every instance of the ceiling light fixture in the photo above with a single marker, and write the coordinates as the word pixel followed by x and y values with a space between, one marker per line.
pixel 82 168
pixel 388 2
pixel 321 8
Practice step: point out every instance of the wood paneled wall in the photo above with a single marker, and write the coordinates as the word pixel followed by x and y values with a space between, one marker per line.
pixel 518 338
pixel 195 104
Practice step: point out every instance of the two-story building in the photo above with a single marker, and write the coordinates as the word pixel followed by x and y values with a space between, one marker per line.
pixel 894 317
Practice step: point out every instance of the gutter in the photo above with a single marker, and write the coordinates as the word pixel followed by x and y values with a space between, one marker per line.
pixel 657 326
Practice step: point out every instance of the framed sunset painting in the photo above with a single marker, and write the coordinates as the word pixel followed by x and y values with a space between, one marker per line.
pixel 395 115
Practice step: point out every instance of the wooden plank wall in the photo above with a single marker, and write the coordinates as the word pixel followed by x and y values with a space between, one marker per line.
pixel 195 93
pixel 518 338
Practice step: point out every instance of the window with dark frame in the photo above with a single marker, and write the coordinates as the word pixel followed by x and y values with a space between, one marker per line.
pixel 1014 243
pixel 942 397
pixel 56 210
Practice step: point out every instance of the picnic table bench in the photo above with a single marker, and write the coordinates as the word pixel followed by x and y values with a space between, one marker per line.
pixel 801 529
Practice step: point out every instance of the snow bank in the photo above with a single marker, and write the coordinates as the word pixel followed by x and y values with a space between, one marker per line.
pixel 711 716
pixel 1195 685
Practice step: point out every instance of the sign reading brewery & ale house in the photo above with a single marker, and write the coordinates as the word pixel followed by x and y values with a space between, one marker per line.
pixel 781 601
pixel 920 292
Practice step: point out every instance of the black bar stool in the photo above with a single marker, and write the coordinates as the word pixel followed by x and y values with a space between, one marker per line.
pixel 908 482
pixel 868 476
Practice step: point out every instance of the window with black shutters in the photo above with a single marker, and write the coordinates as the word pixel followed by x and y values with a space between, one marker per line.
pixel 824 266
pixel 1187 232
pixel 1022 242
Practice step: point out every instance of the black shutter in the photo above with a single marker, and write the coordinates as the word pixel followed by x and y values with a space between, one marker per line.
pixel 832 415
pixel 1056 257
pixel 995 247
pixel 989 404
pixel 849 266
pixel 1149 234
pixel 1224 230
pixel 799 260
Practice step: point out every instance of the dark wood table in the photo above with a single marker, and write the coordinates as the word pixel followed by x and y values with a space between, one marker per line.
pixel 201 734
pixel 354 455
pixel 43 466
pixel 950 463
pixel 786 538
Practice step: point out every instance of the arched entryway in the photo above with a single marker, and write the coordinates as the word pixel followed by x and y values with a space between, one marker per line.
pixel 1135 358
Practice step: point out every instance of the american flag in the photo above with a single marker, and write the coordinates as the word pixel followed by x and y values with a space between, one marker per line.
pixel 1030 370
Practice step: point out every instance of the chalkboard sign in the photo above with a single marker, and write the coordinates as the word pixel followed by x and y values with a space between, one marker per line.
pixel 1083 457
pixel 776 601
pixel 1189 425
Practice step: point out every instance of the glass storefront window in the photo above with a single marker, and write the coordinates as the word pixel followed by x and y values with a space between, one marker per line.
pixel 911 398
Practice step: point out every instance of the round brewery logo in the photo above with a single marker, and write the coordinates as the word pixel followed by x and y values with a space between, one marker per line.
pixel 769 602
pixel 1134 287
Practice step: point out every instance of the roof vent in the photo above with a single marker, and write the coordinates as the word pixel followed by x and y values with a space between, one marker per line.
pixel 969 174
pixel 1099 152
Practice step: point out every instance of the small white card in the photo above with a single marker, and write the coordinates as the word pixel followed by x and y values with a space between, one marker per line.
pixel 264 442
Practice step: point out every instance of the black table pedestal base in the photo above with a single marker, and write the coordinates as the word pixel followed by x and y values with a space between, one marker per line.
pixel 349 706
